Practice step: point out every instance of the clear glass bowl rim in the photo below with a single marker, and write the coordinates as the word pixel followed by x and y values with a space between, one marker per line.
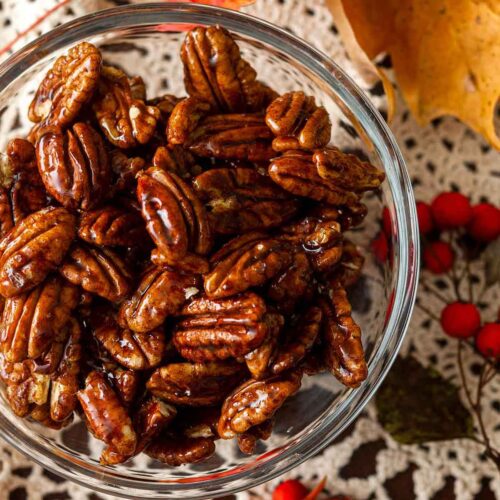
pixel 406 249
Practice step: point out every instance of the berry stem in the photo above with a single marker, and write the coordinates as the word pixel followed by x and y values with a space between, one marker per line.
pixel 436 294
pixel 453 271
pixel 427 311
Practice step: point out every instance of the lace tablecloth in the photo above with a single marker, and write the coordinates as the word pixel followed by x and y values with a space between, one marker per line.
pixel 365 462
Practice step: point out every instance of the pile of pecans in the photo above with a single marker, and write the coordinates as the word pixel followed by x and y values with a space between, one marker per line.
pixel 171 268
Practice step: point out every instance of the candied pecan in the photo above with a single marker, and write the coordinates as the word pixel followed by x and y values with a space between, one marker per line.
pixel 161 293
pixel 126 121
pixel 247 441
pixel 347 170
pixel 299 342
pixel 246 261
pixel 149 420
pixel 112 225
pixel 350 266
pixel 296 118
pixel 175 219
pixel 27 192
pixel 176 159
pixel 292 284
pixel 125 382
pixel 191 263
pixel 32 320
pixel 98 271
pixel 125 170
pixel 105 415
pixel 33 248
pixel 195 384
pixel 165 104
pixel 347 217
pixel 226 137
pixel 176 451
pixel 324 245
pixel 241 200
pixel 259 359
pixel 137 88
pixel 219 329
pixel 74 166
pixel 41 414
pixel 6 220
pixel 295 172
pixel 136 351
pixel 344 353
pixel 215 72
pixel 65 380
pixel 184 118
pixel 67 86
pixel 256 401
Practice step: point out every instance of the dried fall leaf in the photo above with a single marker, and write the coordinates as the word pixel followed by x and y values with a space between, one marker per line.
pixel 444 53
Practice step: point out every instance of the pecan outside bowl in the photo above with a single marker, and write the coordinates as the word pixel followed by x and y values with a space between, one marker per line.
pixel 145 39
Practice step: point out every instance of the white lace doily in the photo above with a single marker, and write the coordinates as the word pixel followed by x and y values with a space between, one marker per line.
pixel 365 462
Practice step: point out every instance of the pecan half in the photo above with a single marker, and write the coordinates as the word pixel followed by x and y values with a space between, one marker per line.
pixel 105 415
pixel 161 293
pixel 74 166
pixel 227 137
pixel 195 384
pixel 296 172
pixel 184 118
pixel 241 200
pixel 126 383
pixel 246 261
pixel 247 442
pixel 175 219
pixel 68 85
pixel 165 103
pixel 136 351
pixel 256 401
pixel 295 118
pixel 344 353
pixel 215 72
pixel 347 170
pixel 112 225
pixel 27 192
pixel 125 170
pixel 219 329
pixel 32 320
pixel 98 271
pixel 176 451
pixel 126 121
pixel 6 218
pixel 299 342
pixel 65 383
pixel 41 414
pixel 176 159
pixel 35 247
pixel 350 266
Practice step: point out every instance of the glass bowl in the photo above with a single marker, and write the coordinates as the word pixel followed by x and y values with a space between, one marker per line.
pixel 145 40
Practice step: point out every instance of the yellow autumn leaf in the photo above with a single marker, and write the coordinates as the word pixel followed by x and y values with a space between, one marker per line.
pixel 445 53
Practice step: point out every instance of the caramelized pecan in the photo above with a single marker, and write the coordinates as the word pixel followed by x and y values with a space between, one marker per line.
pixel 136 351
pixel 165 104
pixel 295 172
pixel 67 86
pixel 195 384
pixel 176 451
pixel 215 72
pixel 6 218
pixel 247 441
pixel 175 219
pixel 125 170
pixel 299 341
pixel 126 121
pixel 98 271
pixel 41 414
pixel 344 353
pixel 256 401
pixel 74 166
pixel 246 261
pixel 295 118
pixel 241 200
pixel 226 137
pixel 32 320
pixel 211 329
pixel 176 159
pixel 125 382
pixel 35 247
pixel 161 293
pixel 350 267
pixel 184 118
pixel 105 415
pixel 112 225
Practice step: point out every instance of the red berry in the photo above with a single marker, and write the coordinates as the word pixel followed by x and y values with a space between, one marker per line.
pixel 485 223
pixel 424 215
pixel 460 320
pixel 488 340
pixel 438 257
pixel 386 222
pixel 380 247
pixel 290 490
pixel 451 210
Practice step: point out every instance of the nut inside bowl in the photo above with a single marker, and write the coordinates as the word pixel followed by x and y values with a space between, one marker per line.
pixel 145 40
